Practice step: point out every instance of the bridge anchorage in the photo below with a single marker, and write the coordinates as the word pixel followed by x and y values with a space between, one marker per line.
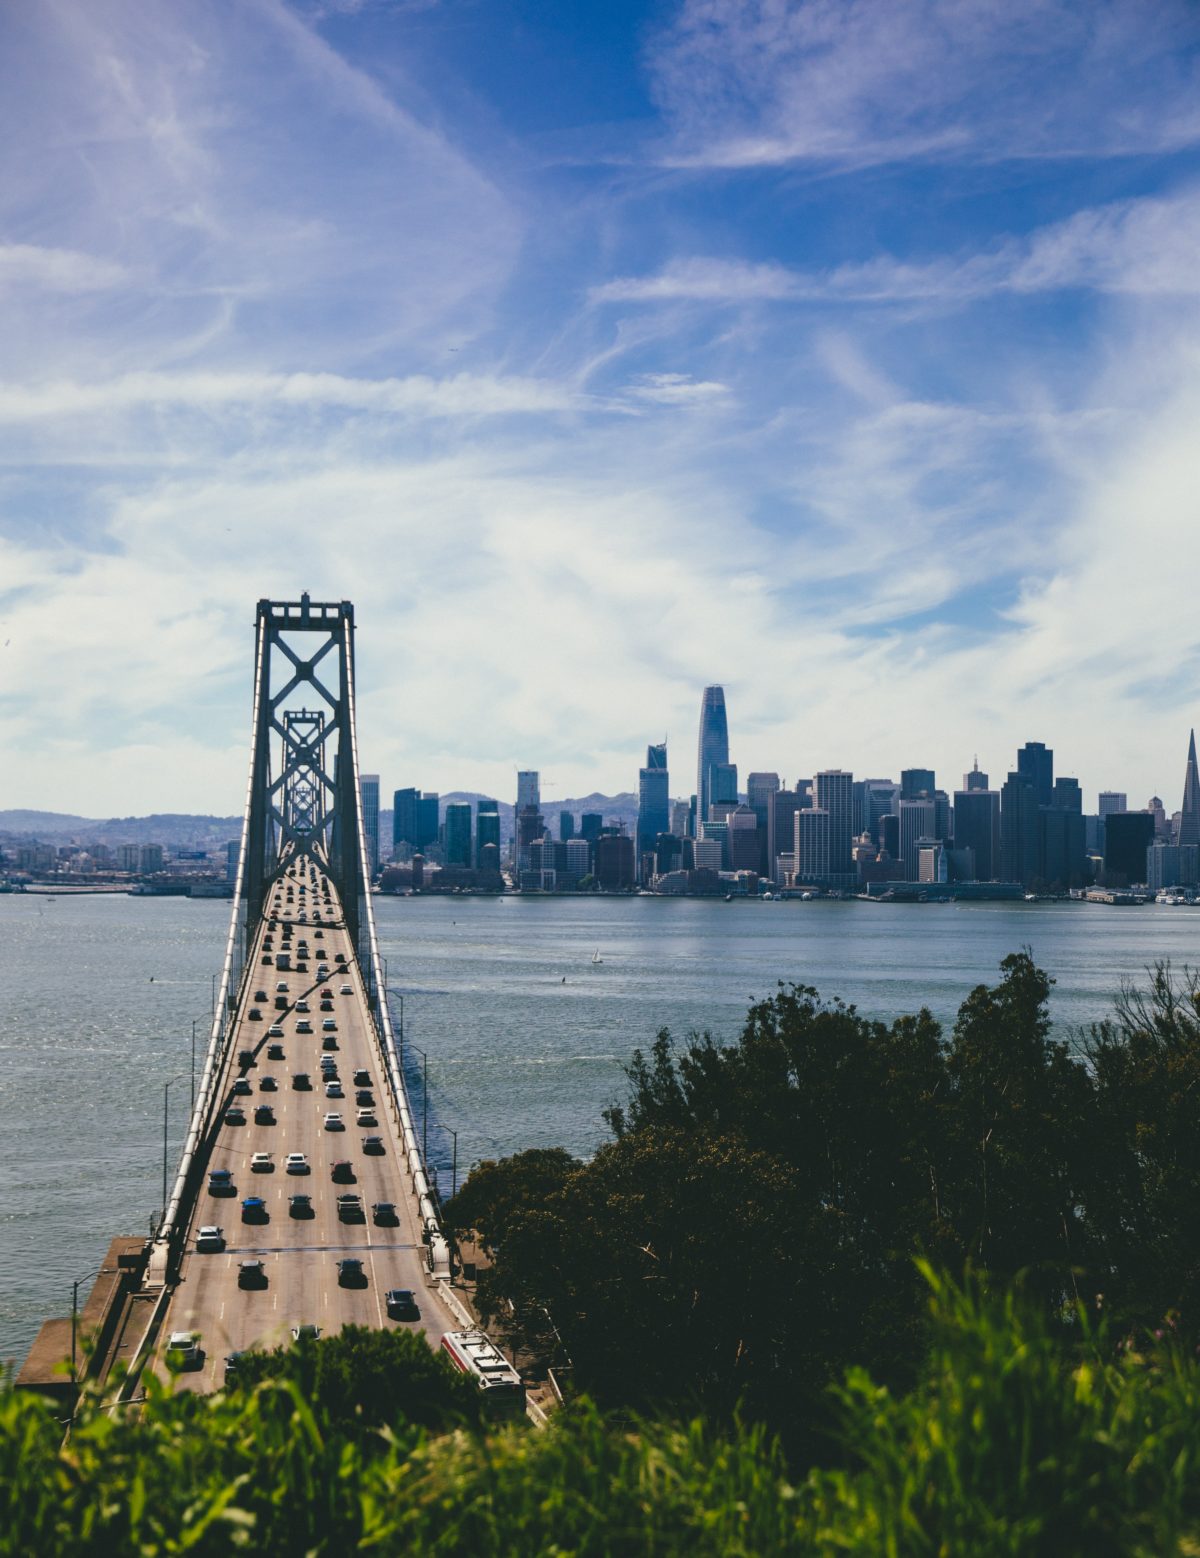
pixel 301 1198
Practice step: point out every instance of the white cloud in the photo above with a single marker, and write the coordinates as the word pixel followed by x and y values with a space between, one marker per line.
pixel 752 83
pixel 677 389
pixel 56 270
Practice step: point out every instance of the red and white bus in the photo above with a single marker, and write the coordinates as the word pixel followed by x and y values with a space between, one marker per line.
pixel 477 1355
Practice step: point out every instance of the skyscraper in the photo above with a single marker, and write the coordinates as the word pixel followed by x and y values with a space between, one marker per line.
pixel 918 818
pixel 368 789
pixel 487 828
pixel 977 828
pixel 833 791
pixel 654 801
pixel 976 779
pixel 760 791
pixel 1035 762
pixel 812 844
pixel 566 826
pixel 714 747
pixel 916 782
pixel 405 805
pixel 1189 815
pixel 1020 836
pixel 458 833
pixel 781 829
pixel 528 789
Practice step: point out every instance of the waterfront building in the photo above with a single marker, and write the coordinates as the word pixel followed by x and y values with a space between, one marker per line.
pixel 1063 847
pixel 781 831
pixel 833 792
pixel 1020 830
pixel 368 794
pixel 878 798
pixel 932 863
pixel 707 854
pixel 458 833
pixel 761 789
pixel 681 818
pixel 233 854
pixel 577 854
pixel 487 828
pixel 977 828
pixel 654 800
pixel 813 844
pixel 1189 815
pixel 614 861
pixel 718 831
pixel 745 841
pixel 713 746
pixel 528 789
pixel 150 858
pixel 889 833
pixel 1128 836
pixel 917 821
pixel 405 832
pixel 590 824
pixel 1035 764
pixel 566 826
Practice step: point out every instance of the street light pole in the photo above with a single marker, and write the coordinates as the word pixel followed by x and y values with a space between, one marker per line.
pixel 75 1286
pixel 166 1090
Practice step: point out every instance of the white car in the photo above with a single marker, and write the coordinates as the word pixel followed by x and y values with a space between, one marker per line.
pixel 296 1163
pixel 209 1238
pixel 328 1025
pixel 304 1026
pixel 334 1122
pixel 333 1089
pixel 274 1031
pixel 365 1117
pixel 183 1349
pixel 301 1006
pixel 261 1163
pixel 347 989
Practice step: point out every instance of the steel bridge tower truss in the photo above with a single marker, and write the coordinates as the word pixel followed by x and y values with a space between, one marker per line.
pixel 304 648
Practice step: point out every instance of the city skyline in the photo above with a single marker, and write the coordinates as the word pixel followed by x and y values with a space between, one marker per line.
pixel 846 355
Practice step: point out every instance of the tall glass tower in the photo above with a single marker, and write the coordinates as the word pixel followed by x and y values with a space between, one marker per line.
pixel 714 746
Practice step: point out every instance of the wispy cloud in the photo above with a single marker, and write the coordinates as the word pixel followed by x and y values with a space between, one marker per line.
pixel 1140 246
pixel 28 265
pixel 758 83
pixel 677 389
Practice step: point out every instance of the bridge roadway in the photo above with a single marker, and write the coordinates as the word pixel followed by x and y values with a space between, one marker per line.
pixel 300 1254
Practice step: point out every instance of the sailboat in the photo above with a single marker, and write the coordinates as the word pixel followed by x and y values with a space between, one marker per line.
pixel 596 958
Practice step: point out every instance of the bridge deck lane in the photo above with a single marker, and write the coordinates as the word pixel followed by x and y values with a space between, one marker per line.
pixel 300 1255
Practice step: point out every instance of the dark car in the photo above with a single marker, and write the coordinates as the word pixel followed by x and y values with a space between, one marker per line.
pixel 329 1041
pixel 254 1014
pixel 252 1274
pixel 300 1206
pixel 240 1087
pixel 350 1209
pixel 275 1052
pixel 364 1098
pixel 264 1115
pixel 220 1183
pixel 235 1115
pixel 231 1367
pixel 401 1305
pixel 268 1085
pixel 260 995
pixel 350 1273
pixel 384 1213
pixel 373 1146
pixel 301 1082
pixel 343 1172
pixel 362 1078
pixel 254 1210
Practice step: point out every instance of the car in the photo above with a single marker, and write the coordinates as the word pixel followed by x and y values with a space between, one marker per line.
pixel 209 1238
pixel 333 1089
pixel 350 1209
pixel 329 1067
pixel 220 1182
pixel 318 934
pixel 304 1026
pixel 184 1351
pixel 267 960
pixel 281 1003
pixel 254 1015
pixel 241 1087
pixel 329 1025
pixel 365 1117
pixel 281 987
pixel 296 1163
pixel 364 1098
pixel 327 1006
pixel 334 1122
pixel 373 1146
pixel 274 1032
pixel 347 990
pixel 260 995
pixel 305 1333
pixel 264 1114
pixel 262 1163
pixel 322 970
pixel 401 1305
pixel 342 1172
pixel 235 1115
pixel 327 994
pixel 329 1042
pixel 300 1206
pixel 254 1210
pixel 268 1085
pixel 231 1366
pixel 350 1272
pixel 384 1213
pixel 252 1274
pixel 275 1052
pixel 301 1005
pixel 362 1077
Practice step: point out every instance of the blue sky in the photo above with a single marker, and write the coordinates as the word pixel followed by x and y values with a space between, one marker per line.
pixel 845 353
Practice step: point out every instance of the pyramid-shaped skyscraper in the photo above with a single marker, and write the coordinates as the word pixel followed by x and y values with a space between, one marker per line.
pixel 1189 817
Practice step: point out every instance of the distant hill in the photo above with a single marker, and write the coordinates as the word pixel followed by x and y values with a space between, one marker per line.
pixel 180 828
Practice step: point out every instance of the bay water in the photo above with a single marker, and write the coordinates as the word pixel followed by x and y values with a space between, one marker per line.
pixel 521 1012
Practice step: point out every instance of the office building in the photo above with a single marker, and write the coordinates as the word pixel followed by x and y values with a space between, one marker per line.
pixel 976 779
pixel 833 792
pixel 708 854
pixel 368 792
pixel 781 830
pixel 528 789
pixel 577 854
pixel 1112 801
pixel 916 783
pixel 917 820
pixel 1189 813
pixel 878 799
pixel 745 841
pixel 233 854
pixel 654 800
pixel 681 819
pixel 713 746
pixel 977 828
pixel 458 833
pixel 812 844
pixel 714 831
pixel 566 826
pixel 1020 830
pixel 405 829
pixel 760 791
pixel 614 861
pixel 428 828
pixel 150 858
pixel 1035 764
pixel 1128 835
pixel 1062 846
pixel 487 830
